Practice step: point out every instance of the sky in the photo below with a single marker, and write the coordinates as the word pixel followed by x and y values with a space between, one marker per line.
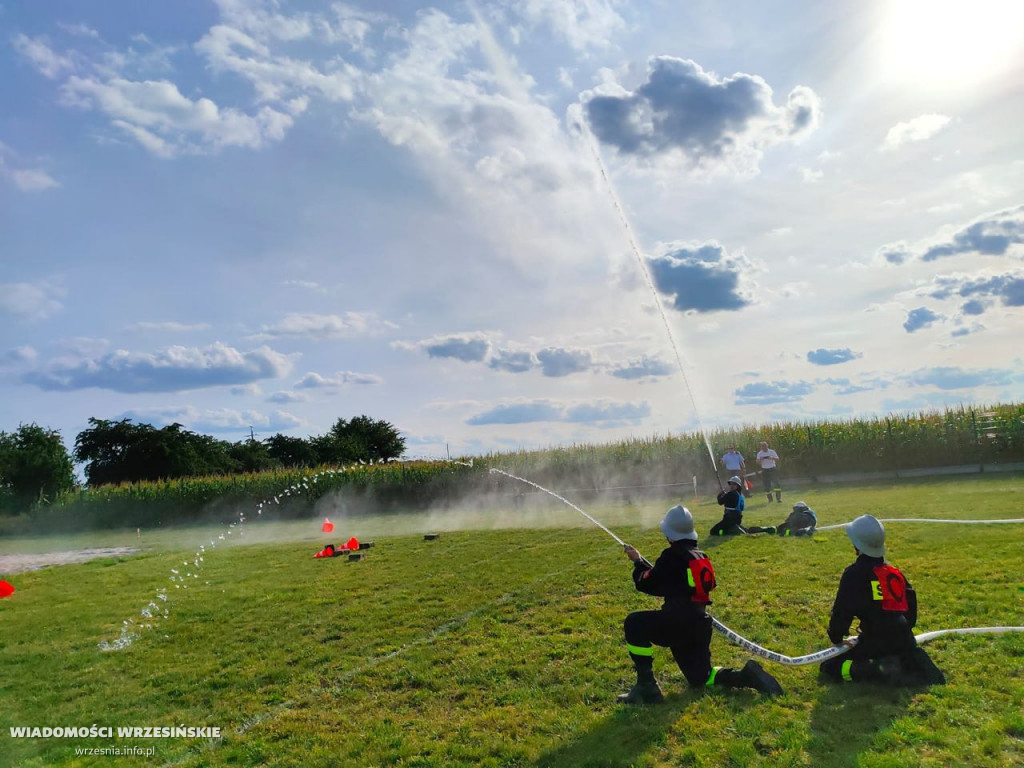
pixel 508 225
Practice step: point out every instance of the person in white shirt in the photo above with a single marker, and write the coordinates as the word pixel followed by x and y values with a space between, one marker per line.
pixel 768 460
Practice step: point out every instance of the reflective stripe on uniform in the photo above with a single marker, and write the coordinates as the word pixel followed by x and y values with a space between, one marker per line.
pixel 845 671
pixel 640 650
pixel 712 676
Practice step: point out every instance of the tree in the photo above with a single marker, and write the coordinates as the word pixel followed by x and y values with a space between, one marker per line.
pixel 251 456
pixel 361 439
pixel 34 466
pixel 379 440
pixel 291 451
pixel 119 451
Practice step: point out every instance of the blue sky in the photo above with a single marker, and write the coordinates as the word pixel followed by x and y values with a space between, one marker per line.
pixel 488 222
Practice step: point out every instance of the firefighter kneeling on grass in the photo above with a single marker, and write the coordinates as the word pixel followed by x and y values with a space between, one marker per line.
pixel 684 577
pixel 881 597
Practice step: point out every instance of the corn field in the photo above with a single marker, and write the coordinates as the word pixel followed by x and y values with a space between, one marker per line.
pixel 810 450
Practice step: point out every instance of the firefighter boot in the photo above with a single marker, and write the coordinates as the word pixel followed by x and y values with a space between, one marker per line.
pixel 923 668
pixel 646 690
pixel 889 669
pixel 753 676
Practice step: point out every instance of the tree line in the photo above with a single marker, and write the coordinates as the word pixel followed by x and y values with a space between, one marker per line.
pixel 36 467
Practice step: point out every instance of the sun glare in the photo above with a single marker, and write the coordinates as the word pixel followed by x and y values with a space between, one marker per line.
pixel 951 42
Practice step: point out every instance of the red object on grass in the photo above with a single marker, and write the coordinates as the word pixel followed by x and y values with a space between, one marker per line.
pixel 352 543
pixel 327 551
pixel 6 589
pixel 327 527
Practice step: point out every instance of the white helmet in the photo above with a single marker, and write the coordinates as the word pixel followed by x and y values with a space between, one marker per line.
pixel 736 479
pixel 800 506
pixel 678 524
pixel 867 535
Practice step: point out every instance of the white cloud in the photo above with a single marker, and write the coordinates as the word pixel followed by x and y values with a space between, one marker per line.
pixel 32 180
pixel 47 61
pixel 30 301
pixel 561 361
pixel 18 356
pixel 213 420
pixel 288 396
pixel 478 132
pixel 1000 233
pixel 313 326
pixel 309 285
pixel 258 17
pixel 246 390
pixel 581 23
pixel 701 277
pixel 25 179
pixel 644 368
pixel 811 176
pixel 682 112
pixel 170 327
pixel 533 411
pixel 919 129
pixel 230 420
pixel 82 346
pixel 79 30
pixel 275 78
pixel 340 379
pixel 166 123
pixel 147 58
pixel 168 370
pixel 467 347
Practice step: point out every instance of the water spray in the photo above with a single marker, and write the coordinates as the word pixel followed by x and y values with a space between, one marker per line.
pixel 620 542
pixel 182 577
pixel 765 653
pixel 646 272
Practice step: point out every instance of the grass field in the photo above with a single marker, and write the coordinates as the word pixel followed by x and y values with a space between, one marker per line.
pixel 503 647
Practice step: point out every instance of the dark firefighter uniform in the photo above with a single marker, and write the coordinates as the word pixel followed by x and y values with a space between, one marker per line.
pixel 801 522
pixel 881 597
pixel 684 577
pixel 732 517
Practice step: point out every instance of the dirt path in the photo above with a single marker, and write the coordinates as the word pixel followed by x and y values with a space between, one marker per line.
pixel 22 563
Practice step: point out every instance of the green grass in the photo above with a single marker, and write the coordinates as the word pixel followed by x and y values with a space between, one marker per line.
pixel 503 647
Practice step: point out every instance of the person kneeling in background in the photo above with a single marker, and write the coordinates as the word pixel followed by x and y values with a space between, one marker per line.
pixel 732 517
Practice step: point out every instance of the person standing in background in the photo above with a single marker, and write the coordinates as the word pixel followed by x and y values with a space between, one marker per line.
pixel 768 460
pixel 735 464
